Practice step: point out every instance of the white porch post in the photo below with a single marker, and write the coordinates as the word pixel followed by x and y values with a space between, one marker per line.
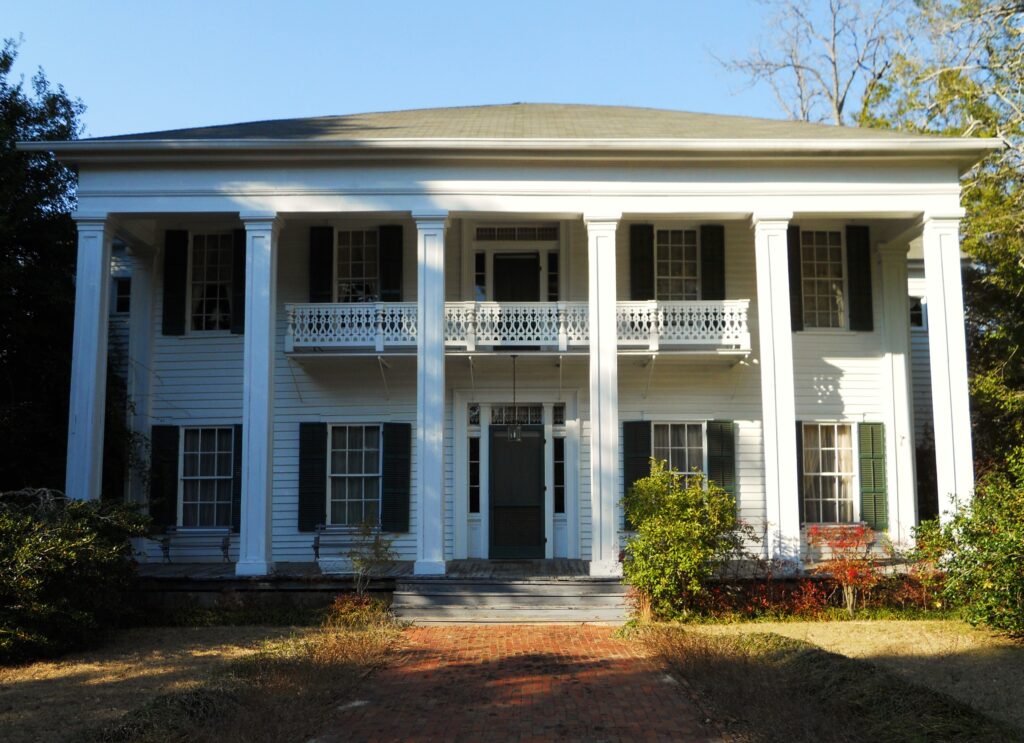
pixel 140 345
pixel 899 423
pixel 430 390
pixel 84 472
pixel 954 463
pixel 254 550
pixel 775 355
pixel 604 397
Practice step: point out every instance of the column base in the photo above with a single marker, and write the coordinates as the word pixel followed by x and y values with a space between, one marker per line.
pixel 253 568
pixel 605 569
pixel 428 567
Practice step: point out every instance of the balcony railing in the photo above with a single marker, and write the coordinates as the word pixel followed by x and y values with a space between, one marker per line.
pixel 552 326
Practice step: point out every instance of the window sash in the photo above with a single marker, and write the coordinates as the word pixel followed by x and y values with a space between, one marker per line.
pixel 122 295
pixel 829 484
pixel 357 266
pixel 823 277
pixel 354 469
pixel 207 477
pixel 474 474
pixel 681 445
pixel 210 264
pixel 676 265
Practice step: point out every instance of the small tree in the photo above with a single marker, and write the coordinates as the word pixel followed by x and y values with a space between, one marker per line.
pixel 685 530
pixel 848 559
pixel 370 556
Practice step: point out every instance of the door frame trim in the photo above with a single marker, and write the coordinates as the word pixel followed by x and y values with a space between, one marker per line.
pixel 471 246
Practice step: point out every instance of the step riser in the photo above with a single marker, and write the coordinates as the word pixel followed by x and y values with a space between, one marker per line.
pixel 437 589
pixel 459 614
pixel 495 600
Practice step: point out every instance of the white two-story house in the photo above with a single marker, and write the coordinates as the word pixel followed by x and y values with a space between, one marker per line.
pixel 475 326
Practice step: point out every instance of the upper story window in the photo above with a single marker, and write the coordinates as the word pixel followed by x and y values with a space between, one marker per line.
pixel 918 315
pixel 355 475
pixel 681 445
pixel 828 473
pixel 676 268
pixel 821 264
pixel 207 477
pixel 211 282
pixel 357 265
pixel 122 295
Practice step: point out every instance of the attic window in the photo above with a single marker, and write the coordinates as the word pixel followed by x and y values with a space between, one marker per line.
pixel 517 234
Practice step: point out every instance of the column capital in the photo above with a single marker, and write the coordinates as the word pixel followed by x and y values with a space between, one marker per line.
pixel 261 221
pixel 428 220
pixel 770 220
pixel 942 222
pixel 605 221
pixel 91 222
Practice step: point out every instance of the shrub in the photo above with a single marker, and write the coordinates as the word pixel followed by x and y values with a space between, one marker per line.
pixel 65 567
pixel 983 548
pixel 849 560
pixel 684 532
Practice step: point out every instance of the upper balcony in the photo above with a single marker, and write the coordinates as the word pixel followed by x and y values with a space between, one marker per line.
pixel 716 327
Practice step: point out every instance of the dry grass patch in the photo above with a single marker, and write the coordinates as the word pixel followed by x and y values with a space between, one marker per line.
pixel 773 688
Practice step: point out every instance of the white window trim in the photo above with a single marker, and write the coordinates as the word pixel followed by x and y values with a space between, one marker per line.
pixel 113 295
pixel 189 330
pixel 181 477
pixel 855 439
pixel 703 442
pixel 654 248
pixel 839 227
pixel 331 425
pixel 359 226
pixel 923 327
pixel 471 246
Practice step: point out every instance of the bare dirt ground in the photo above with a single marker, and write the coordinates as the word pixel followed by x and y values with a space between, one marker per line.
pixel 54 700
pixel 972 665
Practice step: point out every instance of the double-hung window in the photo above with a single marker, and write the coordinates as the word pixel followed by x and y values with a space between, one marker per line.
pixel 206 482
pixel 122 295
pixel 357 266
pixel 355 475
pixel 211 282
pixel 821 266
pixel 681 445
pixel 676 268
pixel 828 473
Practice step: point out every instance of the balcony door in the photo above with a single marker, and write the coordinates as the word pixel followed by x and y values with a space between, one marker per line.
pixel 516 277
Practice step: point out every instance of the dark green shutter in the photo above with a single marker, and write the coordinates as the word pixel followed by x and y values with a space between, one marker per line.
pixel 238 282
pixel 712 261
pixel 874 501
pixel 175 280
pixel 391 249
pixel 236 481
pixel 796 290
pixel 636 455
pixel 858 277
pixel 800 468
pixel 312 475
pixel 641 261
pixel 163 476
pixel 722 455
pixel 321 264
pixel 396 476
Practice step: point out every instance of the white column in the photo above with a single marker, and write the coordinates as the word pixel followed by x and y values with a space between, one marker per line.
pixel 604 397
pixel 948 354
pixel 899 423
pixel 89 360
pixel 254 549
pixel 775 352
pixel 140 344
pixel 430 229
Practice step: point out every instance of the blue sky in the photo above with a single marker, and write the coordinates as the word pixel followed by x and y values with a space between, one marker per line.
pixel 155 64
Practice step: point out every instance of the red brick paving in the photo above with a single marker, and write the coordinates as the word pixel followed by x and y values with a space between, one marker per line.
pixel 520 683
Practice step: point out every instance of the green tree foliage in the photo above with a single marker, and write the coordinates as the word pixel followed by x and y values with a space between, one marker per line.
pixel 65 570
pixel 964 76
pixel 37 263
pixel 684 532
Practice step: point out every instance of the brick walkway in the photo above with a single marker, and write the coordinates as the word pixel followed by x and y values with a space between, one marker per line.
pixel 520 683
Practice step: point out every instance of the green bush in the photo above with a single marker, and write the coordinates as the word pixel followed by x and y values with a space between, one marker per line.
pixel 65 568
pixel 684 532
pixel 983 555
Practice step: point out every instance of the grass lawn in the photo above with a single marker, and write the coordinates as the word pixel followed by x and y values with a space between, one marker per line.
pixel 839 681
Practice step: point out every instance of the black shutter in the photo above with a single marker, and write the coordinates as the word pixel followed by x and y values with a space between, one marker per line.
pixel 163 476
pixel 236 481
pixel 641 261
pixel 796 293
pixel 391 263
pixel 858 277
pixel 238 282
pixel 636 455
pixel 712 261
pixel 397 474
pixel 312 475
pixel 800 468
pixel 722 455
pixel 321 264
pixel 874 500
pixel 175 279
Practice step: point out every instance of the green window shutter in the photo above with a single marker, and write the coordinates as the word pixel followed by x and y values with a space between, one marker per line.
pixel 722 455
pixel 636 455
pixel 236 481
pixel 641 261
pixel 312 475
pixel 163 476
pixel 391 263
pixel 796 293
pixel 238 282
pixel 396 476
pixel 874 502
pixel 712 261
pixel 321 264
pixel 800 468
pixel 858 277
pixel 175 281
